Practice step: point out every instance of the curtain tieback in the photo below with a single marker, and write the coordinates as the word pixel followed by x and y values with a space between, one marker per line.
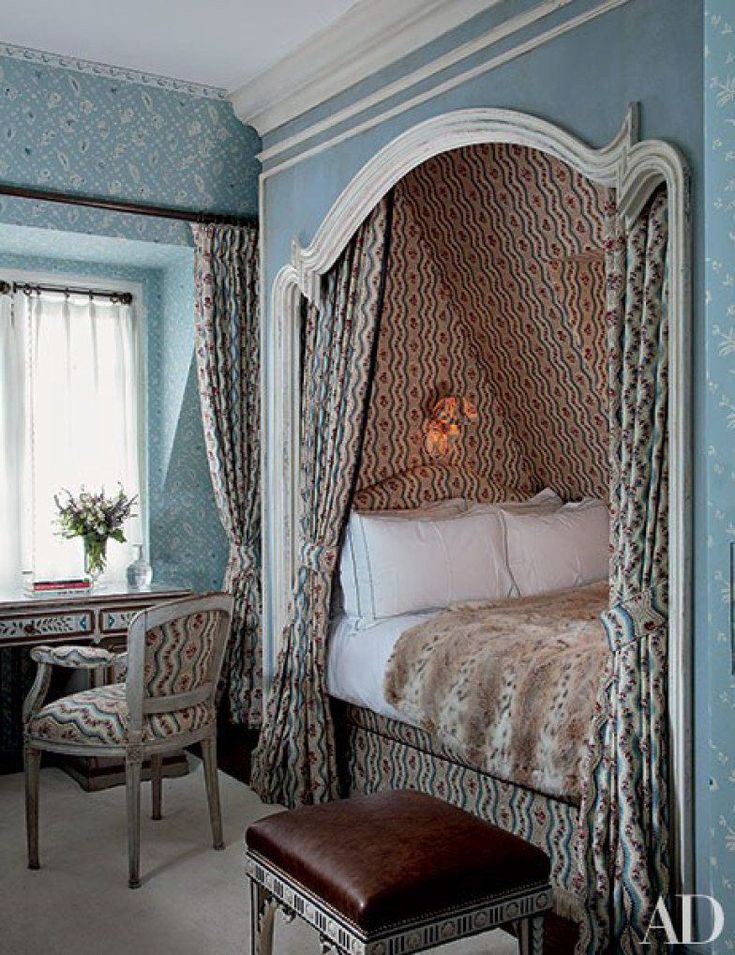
pixel 319 558
pixel 241 558
pixel 630 620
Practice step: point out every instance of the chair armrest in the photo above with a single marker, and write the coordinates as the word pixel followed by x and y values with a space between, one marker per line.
pixel 84 658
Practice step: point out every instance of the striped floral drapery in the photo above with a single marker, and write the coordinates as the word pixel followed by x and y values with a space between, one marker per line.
pixel 295 761
pixel 227 345
pixel 624 813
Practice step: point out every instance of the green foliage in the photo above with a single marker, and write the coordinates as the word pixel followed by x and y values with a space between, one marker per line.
pixel 94 516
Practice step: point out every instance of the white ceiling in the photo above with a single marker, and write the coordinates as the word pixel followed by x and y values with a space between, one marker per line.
pixel 221 43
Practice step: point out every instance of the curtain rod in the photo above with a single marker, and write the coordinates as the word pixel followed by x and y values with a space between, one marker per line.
pixel 131 208
pixel 28 288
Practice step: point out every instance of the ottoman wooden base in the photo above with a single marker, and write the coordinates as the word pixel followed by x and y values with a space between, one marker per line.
pixel 393 873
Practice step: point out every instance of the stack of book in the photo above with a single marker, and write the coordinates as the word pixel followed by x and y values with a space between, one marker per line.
pixel 58 588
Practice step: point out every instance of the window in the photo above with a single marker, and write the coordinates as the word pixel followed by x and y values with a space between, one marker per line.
pixel 70 415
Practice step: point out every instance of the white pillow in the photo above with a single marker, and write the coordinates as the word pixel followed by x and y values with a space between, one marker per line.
pixel 435 512
pixel 566 548
pixel 396 566
pixel 545 501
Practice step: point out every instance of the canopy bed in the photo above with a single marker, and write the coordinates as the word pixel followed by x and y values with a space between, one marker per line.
pixel 394 394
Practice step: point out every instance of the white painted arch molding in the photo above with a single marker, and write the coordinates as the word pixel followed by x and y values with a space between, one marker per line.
pixel 634 169
pixel 465 127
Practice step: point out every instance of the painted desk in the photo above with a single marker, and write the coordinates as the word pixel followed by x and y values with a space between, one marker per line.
pixel 99 617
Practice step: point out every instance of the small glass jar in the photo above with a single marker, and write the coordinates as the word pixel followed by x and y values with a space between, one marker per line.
pixel 140 572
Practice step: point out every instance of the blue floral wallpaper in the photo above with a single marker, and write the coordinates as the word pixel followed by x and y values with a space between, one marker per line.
pixel 717 855
pixel 187 544
pixel 73 131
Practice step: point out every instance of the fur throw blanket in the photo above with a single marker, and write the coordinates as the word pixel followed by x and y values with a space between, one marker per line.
pixel 510 687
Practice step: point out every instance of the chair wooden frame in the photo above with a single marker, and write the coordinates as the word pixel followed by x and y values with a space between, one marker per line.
pixel 135 751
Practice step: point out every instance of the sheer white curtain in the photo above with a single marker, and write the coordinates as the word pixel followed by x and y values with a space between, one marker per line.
pixel 12 459
pixel 69 381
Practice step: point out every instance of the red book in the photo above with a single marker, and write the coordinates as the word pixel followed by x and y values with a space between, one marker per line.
pixel 39 586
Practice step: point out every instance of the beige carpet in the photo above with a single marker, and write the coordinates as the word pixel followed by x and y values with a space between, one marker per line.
pixel 193 900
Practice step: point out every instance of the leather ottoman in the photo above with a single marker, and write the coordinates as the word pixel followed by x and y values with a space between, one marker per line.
pixel 393 872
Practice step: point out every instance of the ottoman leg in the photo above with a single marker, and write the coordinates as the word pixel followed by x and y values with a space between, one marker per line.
pixel 531 936
pixel 262 917
pixel 328 947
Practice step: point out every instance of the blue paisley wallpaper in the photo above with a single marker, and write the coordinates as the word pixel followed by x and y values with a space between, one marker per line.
pixel 72 131
pixel 718 858
pixel 188 545
pixel 79 128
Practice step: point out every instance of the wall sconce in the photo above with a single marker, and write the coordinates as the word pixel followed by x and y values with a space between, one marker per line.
pixel 444 424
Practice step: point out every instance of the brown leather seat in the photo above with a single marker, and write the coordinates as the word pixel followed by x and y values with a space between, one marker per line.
pixel 395 856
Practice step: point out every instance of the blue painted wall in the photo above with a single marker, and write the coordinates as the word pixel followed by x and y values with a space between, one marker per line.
pixel 77 131
pixel 720 450
pixel 649 51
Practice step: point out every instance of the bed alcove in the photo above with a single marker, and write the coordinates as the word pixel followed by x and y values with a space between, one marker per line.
pixel 495 291
pixel 517 325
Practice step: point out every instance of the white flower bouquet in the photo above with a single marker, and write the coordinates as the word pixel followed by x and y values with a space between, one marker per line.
pixel 95 518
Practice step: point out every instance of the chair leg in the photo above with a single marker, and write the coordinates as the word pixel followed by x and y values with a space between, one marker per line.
pixel 156 786
pixel 32 765
pixel 132 792
pixel 209 755
pixel 531 936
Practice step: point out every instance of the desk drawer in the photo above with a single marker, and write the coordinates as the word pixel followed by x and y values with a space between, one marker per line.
pixel 35 628
pixel 117 619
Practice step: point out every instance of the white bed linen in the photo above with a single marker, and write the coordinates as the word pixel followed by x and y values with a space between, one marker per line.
pixel 357 659
pixel 390 567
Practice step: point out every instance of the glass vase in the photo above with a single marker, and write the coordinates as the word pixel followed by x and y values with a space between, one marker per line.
pixel 95 556
pixel 140 572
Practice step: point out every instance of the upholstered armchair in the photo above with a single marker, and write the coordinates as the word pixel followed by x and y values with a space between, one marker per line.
pixel 167 702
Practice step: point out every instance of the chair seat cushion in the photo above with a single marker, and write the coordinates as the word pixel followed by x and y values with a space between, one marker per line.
pixel 100 716
pixel 397 856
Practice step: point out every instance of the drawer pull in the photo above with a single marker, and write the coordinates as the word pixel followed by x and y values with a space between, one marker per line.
pixel 29 628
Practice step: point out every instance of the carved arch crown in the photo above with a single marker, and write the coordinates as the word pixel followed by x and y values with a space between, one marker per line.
pixel 634 168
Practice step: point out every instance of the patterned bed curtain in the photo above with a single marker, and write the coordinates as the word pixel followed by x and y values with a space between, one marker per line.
pixel 227 348
pixel 624 815
pixel 295 760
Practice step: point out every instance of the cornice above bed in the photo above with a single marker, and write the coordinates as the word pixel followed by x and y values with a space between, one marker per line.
pixel 372 35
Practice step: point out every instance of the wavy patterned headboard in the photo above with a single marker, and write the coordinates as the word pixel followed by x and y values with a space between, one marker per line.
pixel 429 483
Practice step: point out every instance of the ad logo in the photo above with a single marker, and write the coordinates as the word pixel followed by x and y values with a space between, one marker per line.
pixel 661 921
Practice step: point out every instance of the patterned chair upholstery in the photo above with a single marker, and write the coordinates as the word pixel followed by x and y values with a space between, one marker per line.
pixel 101 716
pixel 167 702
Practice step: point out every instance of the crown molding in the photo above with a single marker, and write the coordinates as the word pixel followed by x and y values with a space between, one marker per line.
pixel 404 84
pixel 27 54
pixel 368 37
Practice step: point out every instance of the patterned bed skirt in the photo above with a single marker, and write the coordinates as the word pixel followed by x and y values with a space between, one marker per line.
pixel 380 753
